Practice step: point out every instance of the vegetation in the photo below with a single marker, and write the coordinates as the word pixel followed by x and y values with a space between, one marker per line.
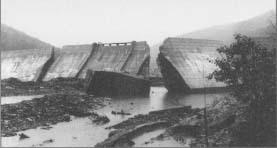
pixel 12 39
pixel 248 69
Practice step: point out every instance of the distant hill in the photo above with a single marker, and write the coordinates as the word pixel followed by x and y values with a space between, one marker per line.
pixel 259 26
pixel 12 39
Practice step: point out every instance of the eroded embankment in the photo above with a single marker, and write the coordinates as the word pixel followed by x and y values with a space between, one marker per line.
pixel 179 124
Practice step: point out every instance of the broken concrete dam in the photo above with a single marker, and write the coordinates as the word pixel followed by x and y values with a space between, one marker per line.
pixel 73 61
pixel 185 64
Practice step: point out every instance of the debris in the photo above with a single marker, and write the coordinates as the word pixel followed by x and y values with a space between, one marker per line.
pixel 120 113
pixel 23 136
pixel 15 87
pixel 124 137
pixel 47 110
pixel 98 119
pixel 46 127
pixel 48 141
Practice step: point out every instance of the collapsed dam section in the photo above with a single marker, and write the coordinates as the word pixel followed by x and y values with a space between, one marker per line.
pixel 114 64
pixel 73 61
pixel 185 65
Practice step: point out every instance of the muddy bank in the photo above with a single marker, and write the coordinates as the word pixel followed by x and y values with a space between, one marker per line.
pixel 181 124
pixel 172 116
pixel 140 124
pixel 49 110
pixel 15 87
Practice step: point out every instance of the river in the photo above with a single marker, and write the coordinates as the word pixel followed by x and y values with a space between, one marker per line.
pixel 82 132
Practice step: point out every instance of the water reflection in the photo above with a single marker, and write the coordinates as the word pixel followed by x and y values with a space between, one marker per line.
pixel 82 132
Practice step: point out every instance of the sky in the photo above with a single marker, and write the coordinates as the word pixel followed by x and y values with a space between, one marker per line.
pixel 61 22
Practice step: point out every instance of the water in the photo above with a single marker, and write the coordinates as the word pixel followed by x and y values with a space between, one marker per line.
pixel 16 99
pixel 82 132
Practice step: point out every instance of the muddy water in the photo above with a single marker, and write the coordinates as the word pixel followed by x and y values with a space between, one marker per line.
pixel 82 132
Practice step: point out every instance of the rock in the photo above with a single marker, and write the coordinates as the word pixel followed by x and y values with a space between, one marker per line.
pixel 46 127
pixel 66 118
pixel 98 119
pixel 122 138
pixel 29 119
pixel 23 136
pixel 120 113
pixel 48 141
pixel 101 120
pixel 113 133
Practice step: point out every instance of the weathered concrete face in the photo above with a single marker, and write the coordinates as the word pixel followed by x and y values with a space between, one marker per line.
pixel 69 61
pixel 106 83
pixel 123 57
pixel 25 65
pixel 136 59
pixel 190 58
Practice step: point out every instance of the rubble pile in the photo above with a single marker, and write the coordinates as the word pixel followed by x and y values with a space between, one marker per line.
pixel 47 110
pixel 14 87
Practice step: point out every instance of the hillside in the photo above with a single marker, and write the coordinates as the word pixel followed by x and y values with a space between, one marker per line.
pixel 259 26
pixel 12 39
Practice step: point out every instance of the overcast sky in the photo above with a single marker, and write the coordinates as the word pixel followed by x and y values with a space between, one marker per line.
pixel 61 22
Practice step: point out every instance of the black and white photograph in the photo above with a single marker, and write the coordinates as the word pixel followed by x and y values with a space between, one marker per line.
pixel 138 73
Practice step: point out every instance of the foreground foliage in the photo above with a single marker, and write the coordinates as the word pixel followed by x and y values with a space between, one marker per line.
pixel 248 69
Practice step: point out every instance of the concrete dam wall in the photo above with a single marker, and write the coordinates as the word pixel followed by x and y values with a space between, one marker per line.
pixel 118 57
pixel 68 61
pixel 185 63
pixel 26 65
pixel 75 60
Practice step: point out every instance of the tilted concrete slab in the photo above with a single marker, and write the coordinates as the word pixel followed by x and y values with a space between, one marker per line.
pixel 69 61
pixel 190 59
pixel 25 65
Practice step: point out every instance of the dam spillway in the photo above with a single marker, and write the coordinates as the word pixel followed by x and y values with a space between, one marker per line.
pixel 185 65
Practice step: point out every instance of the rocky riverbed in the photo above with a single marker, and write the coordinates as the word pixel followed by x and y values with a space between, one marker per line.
pixel 63 98
pixel 48 110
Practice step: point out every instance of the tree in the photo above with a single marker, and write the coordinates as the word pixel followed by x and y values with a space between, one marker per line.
pixel 248 69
